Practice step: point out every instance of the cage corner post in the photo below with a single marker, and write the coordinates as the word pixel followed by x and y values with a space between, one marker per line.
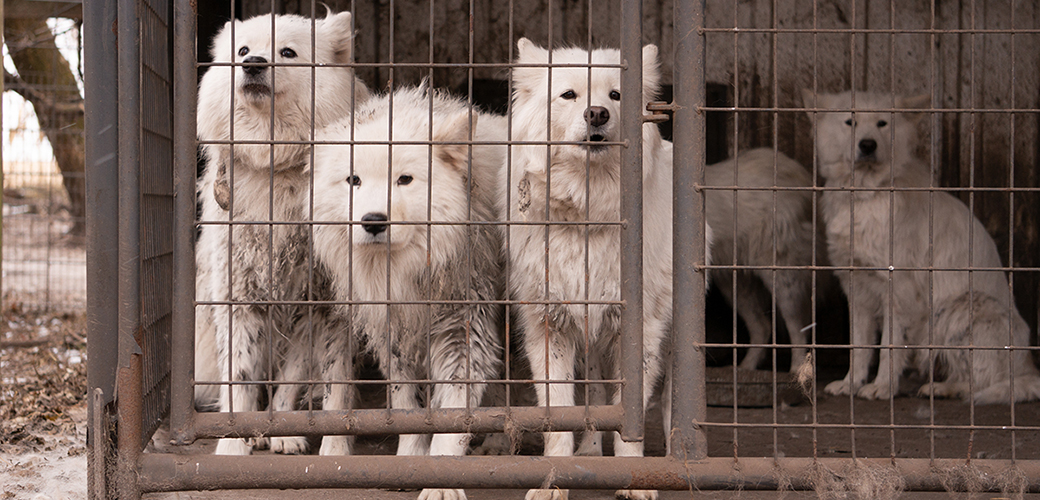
pixel 102 186
pixel 687 440
pixel 182 411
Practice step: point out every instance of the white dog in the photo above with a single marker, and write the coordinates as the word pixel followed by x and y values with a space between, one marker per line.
pixel 871 149
pixel 585 106
pixel 376 259
pixel 266 262
pixel 751 243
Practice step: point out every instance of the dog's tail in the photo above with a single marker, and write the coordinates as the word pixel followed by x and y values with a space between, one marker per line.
pixel 1027 388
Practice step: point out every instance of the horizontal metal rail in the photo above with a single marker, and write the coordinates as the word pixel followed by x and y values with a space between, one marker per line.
pixel 167 472
pixel 419 421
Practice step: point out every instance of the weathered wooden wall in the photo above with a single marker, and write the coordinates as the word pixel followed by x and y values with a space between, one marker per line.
pixel 960 70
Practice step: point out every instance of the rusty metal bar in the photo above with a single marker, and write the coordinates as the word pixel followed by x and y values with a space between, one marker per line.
pixel 397 421
pixel 632 214
pixel 686 439
pixel 128 369
pixel 102 186
pixel 182 366
pixel 168 472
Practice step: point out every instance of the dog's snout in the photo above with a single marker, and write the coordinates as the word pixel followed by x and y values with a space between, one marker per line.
pixel 254 70
pixel 371 222
pixel 597 116
pixel 867 146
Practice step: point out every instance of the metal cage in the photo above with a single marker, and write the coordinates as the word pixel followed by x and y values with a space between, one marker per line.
pixel 735 70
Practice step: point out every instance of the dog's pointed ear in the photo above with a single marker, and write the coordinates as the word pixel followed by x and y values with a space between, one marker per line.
pixel 529 80
pixel 338 30
pixel 528 51
pixel 915 102
pixel 651 72
pixel 808 100
pixel 454 129
pixel 222 48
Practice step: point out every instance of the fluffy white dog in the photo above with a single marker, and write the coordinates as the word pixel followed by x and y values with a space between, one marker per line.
pixel 888 232
pixel 761 225
pixel 583 186
pixel 404 238
pixel 262 183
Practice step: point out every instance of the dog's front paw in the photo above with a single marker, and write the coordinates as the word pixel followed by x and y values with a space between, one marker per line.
pixel 442 494
pixel 233 446
pixel 942 390
pixel 838 387
pixel 494 444
pixel 875 390
pixel 334 446
pixel 636 494
pixel 289 445
pixel 553 494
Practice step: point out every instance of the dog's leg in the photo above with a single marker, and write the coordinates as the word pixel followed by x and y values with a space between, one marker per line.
pixel 591 443
pixel 338 366
pixel 749 306
pixel 862 309
pixel 654 333
pixel 794 303
pixel 452 365
pixel 405 396
pixel 294 367
pixel 246 354
pixel 552 357
pixel 891 362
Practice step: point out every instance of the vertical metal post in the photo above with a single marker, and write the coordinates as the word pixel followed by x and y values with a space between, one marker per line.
pixel 128 368
pixel 182 369
pixel 632 215
pixel 689 407
pixel 102 186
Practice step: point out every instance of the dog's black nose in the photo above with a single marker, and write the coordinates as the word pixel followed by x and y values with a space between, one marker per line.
pixel 371 221
pixel 867 146
pixel 254 70
pixel 597 116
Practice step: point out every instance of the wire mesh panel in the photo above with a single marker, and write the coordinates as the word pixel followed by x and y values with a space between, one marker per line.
pixel 44 262
pixel 441 218
pixel 909 251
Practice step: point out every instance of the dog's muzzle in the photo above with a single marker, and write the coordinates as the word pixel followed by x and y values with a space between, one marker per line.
pixel 255 82
pixel 374 223
pixel 596 117
pixel 867 150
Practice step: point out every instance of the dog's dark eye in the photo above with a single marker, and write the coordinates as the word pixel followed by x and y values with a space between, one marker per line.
pixel 615 95
pixel 848 122
pixel 288 53
pixel 404 180
pixel 354 180
pixel 243 51
pixel 881 123
pixel 569 95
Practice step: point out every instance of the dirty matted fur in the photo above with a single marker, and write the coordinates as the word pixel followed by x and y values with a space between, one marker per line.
pixel 892 228
pixel 747 229
pixel 585 106
pixel 264 262
pixel 375 259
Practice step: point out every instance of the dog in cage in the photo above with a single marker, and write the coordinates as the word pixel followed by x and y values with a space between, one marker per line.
pixel 262 101
pixel 404 238
pixel 754 228
pixel 554 268
pixel 899 235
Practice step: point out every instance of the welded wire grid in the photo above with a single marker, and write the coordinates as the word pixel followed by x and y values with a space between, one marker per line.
pixel 44 263
pixel 908 50
pixel 764 59
pixel 377 393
